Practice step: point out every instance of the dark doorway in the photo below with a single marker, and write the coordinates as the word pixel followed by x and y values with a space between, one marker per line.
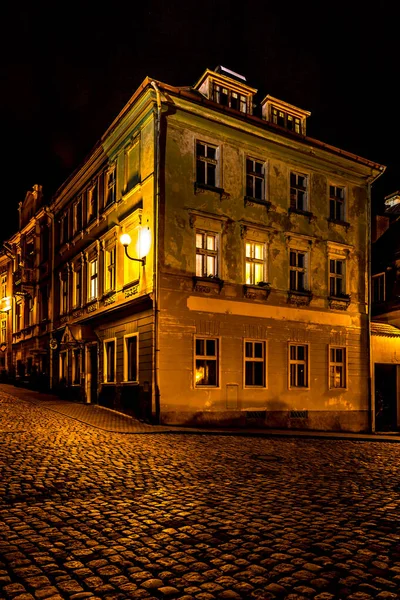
pixel 92 374
pixel 385 397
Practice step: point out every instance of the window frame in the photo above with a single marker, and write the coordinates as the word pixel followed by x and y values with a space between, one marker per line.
pixel 207 161
pixel 253 359
pixel 374 278
pixel 243 101
pixel 293 196
pixel 252 262
pixel 105 361
pixel 3 285
pixel 333 276
pixel 278 113
pixel 126 357
pixel 63 366
pixel 110 268
pixel 296 269
pixel 255 176
pixel 336 363
pixel 92 278
pixel 77 275
pixel 111 186
pixel 64 294
pixel 337 201
pixel 217 340
pixel 206 252
pixel 307 362
pixel 3 329
pixel 76 352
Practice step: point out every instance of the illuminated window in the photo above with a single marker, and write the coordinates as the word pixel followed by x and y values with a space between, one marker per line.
pixel 336 203
pixel 298 191
pixel 298 275
pixel 77 287
pixel 255 262
pixel 64 294
pixel 93 279
pixel 206 164
pixel 337 367
pixel 230 98
pixel 255 179
pixel 284 119
pixel 76 367
pixel 337 279
pixel 4 285
pixel 110 269
pixel 206 362
pixel 254 363
pixel 298 365
pixel 378 288
pixel 131 358
pixel 109 361
pixel 3 331
pixel 206 254
pixel 111 186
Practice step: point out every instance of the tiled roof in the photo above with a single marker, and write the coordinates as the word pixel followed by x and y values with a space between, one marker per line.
pixel 384 329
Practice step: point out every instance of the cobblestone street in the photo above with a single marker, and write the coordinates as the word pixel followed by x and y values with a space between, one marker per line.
pixel 88 513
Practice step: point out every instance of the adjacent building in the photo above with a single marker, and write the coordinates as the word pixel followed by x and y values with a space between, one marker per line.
pixel 241 295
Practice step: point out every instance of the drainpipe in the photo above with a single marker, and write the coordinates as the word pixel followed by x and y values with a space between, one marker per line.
pixel 50 214
pixel 155 393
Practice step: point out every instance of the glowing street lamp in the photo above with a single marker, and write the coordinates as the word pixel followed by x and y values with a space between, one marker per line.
pixel 144 244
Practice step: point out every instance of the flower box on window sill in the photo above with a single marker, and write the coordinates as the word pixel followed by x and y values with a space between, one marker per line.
pixel 300 297
pixel 200 188
pixel 306 213
pixel 338 222
pixel 207 284
pixel 340 302
pixel 260 291
pixel 250 201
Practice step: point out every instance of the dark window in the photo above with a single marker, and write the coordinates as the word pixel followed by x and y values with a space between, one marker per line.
pixel 131 358
pixel 206 164
pixel 336 203
pixel 298 365
pixel 255 176
pixel 255 363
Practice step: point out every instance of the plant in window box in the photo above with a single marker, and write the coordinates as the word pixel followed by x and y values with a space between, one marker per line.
pixel 342 296
pixel 264 284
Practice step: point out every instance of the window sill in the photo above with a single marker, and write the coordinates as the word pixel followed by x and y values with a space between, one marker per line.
pixel 339 302
pixel 201 188
pixel 339 222
pixel 299 297
pixel 305 213
pixel 207 284
pixel 257 292
pixel 133 383
pixel 250 201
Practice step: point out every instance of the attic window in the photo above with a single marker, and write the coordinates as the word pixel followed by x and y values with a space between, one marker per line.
pixel 284 119
pixel 226 97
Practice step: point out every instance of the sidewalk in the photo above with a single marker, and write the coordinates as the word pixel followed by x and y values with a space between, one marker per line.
pixel 115 422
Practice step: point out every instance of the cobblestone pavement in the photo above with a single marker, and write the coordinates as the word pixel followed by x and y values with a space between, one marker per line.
pixel 88 513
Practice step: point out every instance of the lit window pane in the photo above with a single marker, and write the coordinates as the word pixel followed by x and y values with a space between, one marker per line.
pixel 211 265
pixel 210 242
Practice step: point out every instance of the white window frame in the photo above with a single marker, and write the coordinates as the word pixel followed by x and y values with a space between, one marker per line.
pixel 296 269
pixel 254 359
pixel 207 253
pixel 297 361
pixel 110 268
pixel 342 364
pixel 296 188
pixel 376 278
pixel 93 279
pixel 255 177
pixel 105 361
pixel 111 186
pixel 207 161
pixel 126 356
pixel 338 201
pixel 214 357
pixel 251 261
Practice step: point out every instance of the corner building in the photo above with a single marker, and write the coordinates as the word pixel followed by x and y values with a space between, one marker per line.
pixel 247 299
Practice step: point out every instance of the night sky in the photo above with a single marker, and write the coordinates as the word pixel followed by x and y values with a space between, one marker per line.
pixel 68 69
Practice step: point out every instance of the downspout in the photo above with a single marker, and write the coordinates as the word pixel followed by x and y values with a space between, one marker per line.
pixel 155 390
pixel 50 214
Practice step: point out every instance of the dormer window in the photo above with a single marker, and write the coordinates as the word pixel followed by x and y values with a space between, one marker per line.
pixel 227 88
pixel 284 115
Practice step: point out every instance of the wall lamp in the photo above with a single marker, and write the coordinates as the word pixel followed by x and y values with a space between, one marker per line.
pixel 125 240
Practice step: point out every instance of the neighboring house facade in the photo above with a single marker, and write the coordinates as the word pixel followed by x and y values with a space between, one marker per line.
pixel 246 302
pixel 385 328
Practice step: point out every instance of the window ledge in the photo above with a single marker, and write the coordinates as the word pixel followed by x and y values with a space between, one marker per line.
pixel 338 222
pixel 339 302
pixel 299 297
pixel 306 213
pixel 250 201
pixel 260 291
pixel 207 284
pixel 200 188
